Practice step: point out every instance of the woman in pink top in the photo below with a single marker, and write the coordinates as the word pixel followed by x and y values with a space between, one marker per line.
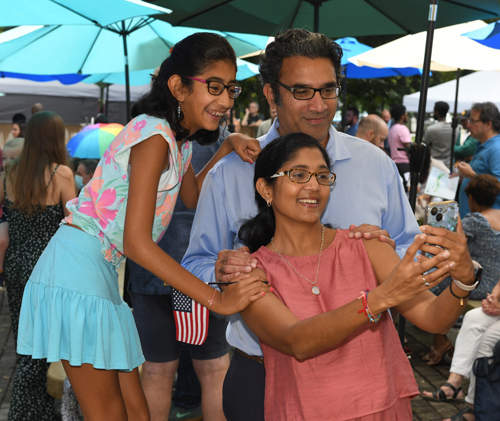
pixel 330 348
pixel 399 137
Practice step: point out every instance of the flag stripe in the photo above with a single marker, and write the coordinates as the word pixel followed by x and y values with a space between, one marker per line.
pixel 191 319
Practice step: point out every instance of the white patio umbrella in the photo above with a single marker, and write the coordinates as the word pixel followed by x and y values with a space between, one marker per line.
pixel 450 51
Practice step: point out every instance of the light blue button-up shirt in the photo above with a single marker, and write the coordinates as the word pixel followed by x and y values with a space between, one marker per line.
pixel 486 160
pixel 367 190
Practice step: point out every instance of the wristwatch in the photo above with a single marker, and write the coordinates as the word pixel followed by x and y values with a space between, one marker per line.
pixel 478 270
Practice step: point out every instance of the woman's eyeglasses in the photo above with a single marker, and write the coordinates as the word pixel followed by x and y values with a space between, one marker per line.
pixel 216 88
pixel 297 175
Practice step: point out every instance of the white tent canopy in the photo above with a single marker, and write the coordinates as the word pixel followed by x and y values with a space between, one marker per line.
pixel 450 50
pixel 476 87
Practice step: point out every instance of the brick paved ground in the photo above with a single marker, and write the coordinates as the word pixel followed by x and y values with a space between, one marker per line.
pixel 428 378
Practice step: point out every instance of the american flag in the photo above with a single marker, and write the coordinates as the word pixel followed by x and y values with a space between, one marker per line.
pixel 191 319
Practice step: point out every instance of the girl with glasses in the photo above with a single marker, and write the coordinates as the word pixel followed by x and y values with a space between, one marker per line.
pixel 72 310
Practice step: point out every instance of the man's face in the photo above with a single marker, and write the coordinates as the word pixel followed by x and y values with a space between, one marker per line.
pixel 314 116
pixel 386 116
pixel 349 117
pixel 81 172
pixel 404 119
pixel 380 136
pixel 253 108
pixel 477 128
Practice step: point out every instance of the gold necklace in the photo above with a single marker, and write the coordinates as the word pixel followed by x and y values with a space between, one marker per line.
pixel 315 290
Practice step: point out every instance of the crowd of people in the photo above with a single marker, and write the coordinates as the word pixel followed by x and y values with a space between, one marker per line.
pixel 304 237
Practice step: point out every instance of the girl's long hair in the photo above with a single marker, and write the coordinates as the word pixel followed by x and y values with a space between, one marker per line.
pixel 258 231
pixel 189 58
pixel 44 146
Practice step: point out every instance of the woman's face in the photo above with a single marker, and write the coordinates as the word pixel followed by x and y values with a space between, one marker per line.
pixel 16 130
pixel 203 110
pixel 301 202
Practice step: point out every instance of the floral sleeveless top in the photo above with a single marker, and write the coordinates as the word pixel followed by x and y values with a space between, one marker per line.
pixel 100 208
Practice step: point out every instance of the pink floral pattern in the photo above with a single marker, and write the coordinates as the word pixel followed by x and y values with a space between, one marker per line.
pixel 100 208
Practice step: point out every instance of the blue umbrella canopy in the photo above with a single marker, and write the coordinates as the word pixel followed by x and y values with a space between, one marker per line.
pixel 352 47
pixel 90 49
pixel 143 77
pixel 488 36
pixel 73 12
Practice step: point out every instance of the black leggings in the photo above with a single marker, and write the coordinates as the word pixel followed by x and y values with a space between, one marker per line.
pixel 243 390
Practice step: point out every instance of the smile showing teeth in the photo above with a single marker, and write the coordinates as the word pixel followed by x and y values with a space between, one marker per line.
pixel 215 113
pixel 312 201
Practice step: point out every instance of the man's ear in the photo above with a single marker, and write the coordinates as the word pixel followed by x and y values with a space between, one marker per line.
pixel 264 189
pixel 269 94
pixel 177 88
pixel 370 134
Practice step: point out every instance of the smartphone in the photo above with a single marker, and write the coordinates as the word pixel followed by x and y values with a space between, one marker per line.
pixel 442 215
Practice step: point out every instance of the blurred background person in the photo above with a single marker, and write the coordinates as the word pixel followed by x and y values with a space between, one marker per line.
pixel 482 228
pixel 101 118
pixel 36 108
pixel 37 185
pixel 252 116
pixel 18 125
pixel 437 137
pixel 399 138
pixel 465 145
pixel 373 129
pixel 266 124
pixel 351 120
pixel 84 172
pixel 11 151
pixel 235 121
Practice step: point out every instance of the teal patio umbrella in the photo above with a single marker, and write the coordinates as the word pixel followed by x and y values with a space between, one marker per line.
pixel 334 18
pixel 143 43
pixel 73 12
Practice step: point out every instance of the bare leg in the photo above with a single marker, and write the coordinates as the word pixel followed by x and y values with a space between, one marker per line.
pixel 211 374
pixel 157 381
pixel 133 395
pixel 454 379
pixel 98 392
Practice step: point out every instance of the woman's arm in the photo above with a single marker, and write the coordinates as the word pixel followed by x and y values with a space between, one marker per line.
pixel 66 185
pixel 147 160
pixel 275 325
pixel 246 147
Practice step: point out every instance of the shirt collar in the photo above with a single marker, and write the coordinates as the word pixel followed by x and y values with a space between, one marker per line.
pixel 336 147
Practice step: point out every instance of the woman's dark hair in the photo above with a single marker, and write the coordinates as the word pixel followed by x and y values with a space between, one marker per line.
pixel 258 231
pixel 44 147
pixel 22 128
pixel 188 58
pixel 483 189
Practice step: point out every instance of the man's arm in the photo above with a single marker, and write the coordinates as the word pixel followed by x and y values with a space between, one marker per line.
pixel 399 220
pixel 467 149
pixel 210 233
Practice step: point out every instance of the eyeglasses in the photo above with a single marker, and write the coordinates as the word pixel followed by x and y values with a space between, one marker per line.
pixel 301 176
pixel 473 121
pixel 329 92
pixel 216 88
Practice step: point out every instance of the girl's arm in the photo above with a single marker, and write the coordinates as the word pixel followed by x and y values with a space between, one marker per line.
pixel 147 160
pixel 246 147
pixel 275 325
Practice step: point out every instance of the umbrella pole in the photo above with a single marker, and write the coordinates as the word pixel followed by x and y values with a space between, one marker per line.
pixel 316 5
pixel 417 149
pixel 107 101
pixel 127 79
pixel 454 124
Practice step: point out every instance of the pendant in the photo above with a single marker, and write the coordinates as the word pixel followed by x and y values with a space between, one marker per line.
pixel 315 290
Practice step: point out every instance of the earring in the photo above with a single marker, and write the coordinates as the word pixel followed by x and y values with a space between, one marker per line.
pixel 179 110
pixel 268 203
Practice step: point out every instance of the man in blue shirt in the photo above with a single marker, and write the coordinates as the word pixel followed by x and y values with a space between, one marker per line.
pixel 352 120
pixel 368 189
pixel 484 125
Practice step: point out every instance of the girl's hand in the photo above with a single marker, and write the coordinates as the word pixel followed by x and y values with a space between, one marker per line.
pixel 245 146
pixel 407 280
pixel 237 297
pixel 491 306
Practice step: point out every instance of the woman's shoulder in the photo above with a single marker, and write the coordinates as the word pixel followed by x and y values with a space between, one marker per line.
pixel 62 171
pixel 474 218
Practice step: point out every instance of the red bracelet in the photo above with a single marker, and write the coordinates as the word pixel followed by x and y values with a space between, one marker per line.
pixel 366 309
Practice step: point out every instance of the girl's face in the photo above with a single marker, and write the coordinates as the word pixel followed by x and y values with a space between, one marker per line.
pixel 16 130
pixel 203 110
pixel 301 202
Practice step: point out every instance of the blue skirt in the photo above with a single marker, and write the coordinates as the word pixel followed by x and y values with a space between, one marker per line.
pixel 72 309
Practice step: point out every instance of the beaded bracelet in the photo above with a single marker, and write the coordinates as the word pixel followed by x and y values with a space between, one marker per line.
pixel 460 298
pixel 366 310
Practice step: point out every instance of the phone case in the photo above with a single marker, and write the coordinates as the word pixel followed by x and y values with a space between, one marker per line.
pixel 442 215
